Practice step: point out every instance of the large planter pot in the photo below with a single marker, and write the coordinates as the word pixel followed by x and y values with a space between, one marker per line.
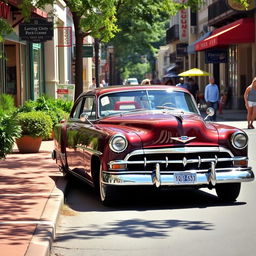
pixel 28 144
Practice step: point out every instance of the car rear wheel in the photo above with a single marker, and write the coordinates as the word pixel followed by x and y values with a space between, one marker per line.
pixel 228 192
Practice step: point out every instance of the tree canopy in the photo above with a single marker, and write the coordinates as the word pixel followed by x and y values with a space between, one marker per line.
pixel 140 22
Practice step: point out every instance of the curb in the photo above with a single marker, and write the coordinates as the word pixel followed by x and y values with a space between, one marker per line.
pixel 44 234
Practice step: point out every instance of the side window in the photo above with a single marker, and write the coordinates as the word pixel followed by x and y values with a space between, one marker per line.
pixel 77 111
pixel 88 108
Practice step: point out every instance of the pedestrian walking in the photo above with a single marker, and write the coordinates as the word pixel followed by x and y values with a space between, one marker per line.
pixel 250 103
pixel 211 96
pixel 223 98
pixel 145 82
pixel 193 88
pixel 182 84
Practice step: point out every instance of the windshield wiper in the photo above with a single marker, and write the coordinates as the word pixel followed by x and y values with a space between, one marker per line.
pixel 171 108
pixel 165 107
pixel 133 110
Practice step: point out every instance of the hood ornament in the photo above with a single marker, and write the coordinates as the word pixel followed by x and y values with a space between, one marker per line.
pixel 183 139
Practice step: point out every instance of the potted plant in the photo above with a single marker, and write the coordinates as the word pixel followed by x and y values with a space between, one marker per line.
pixel 57 109
pixel 35 126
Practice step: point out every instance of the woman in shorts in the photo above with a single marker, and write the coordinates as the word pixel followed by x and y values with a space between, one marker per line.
pixel 250 103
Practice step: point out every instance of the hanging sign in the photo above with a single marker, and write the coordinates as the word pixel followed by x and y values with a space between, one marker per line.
pixel 87 51
pixel 4 10
pixel 216 56
pixel 183 24
pixel 181 49
pixel 37 30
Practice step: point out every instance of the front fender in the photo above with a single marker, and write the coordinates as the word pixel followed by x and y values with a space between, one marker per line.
pixel 134 142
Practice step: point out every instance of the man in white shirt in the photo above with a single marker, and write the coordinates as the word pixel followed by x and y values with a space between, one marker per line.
pixel 93 85
pixel 211 96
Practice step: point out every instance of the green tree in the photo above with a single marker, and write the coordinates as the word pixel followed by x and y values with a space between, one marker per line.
pixel 142 25
pixel 98 18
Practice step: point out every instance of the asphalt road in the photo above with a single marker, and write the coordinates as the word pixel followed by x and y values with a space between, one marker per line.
pixel 184 222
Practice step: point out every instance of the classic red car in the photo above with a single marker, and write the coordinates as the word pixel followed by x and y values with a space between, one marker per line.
pixel 149 136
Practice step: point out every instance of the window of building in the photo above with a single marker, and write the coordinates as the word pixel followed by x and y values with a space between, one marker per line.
pixel 232 69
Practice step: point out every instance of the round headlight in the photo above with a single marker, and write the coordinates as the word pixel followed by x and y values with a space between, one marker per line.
pixel 118 143
pixel 239 140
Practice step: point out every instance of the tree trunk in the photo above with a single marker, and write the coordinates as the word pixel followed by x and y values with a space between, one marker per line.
pixel 78 55
pixel 97 61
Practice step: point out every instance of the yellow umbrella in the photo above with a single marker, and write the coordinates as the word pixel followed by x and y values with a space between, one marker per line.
pixel 194 72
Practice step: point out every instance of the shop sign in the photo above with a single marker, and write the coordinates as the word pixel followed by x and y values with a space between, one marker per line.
pixel 181 50
pixel 66 91
pixel 183 24
pixel 87 51
pixel 4 10
pixel 216 56
pixel 37 30
pixel 240 7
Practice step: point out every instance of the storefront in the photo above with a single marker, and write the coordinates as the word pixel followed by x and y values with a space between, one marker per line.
pixel 21 63
pixel 37 74
pixel 233 71
pixel 12 67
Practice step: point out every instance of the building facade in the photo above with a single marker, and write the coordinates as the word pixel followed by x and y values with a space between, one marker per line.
pixel 221 41
pixel 30 69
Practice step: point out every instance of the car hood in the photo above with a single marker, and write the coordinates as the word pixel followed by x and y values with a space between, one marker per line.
pixel 160 129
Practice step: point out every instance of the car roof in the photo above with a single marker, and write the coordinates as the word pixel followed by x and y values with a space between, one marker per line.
pixel 101 90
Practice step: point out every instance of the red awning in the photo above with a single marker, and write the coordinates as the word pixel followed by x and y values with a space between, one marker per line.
pixel 240 31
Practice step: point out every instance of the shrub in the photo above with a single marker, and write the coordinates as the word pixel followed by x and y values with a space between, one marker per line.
pixel 6 104
pixel 9 130
pixel 57 109
pixel 35 124
pixel 28 106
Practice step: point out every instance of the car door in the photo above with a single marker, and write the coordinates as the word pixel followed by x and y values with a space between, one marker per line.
pixel 79 133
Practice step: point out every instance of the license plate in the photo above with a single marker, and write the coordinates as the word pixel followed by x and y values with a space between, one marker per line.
pixel 185 178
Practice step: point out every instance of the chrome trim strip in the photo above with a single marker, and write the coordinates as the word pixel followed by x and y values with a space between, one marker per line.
pixel 81 177
pixel 184 161
pixel 125 172
pixel 229 175
pixel 185 150
pixel 93 151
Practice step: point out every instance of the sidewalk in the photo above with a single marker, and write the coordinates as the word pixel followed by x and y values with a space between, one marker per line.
pixel 31 196
pixel 232 115
pixel 235 118
pixel 32 192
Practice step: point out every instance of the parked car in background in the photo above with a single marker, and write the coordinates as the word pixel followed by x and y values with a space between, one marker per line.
pixel 132 81
pixel 149 136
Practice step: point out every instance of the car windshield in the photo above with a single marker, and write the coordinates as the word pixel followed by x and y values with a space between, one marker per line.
pixel 132 80
pixel 141 100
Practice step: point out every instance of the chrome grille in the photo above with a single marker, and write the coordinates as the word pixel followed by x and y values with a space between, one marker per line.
pixel 179 161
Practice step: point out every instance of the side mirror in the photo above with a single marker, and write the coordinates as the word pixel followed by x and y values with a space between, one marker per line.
pixel 210 112
pixel 84 118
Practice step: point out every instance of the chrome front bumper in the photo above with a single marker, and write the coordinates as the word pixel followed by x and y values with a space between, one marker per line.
pixel 201 177
pixel 156 177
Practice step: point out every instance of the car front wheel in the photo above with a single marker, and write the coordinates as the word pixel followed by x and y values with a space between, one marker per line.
pixel 228 192
pixel 107 193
